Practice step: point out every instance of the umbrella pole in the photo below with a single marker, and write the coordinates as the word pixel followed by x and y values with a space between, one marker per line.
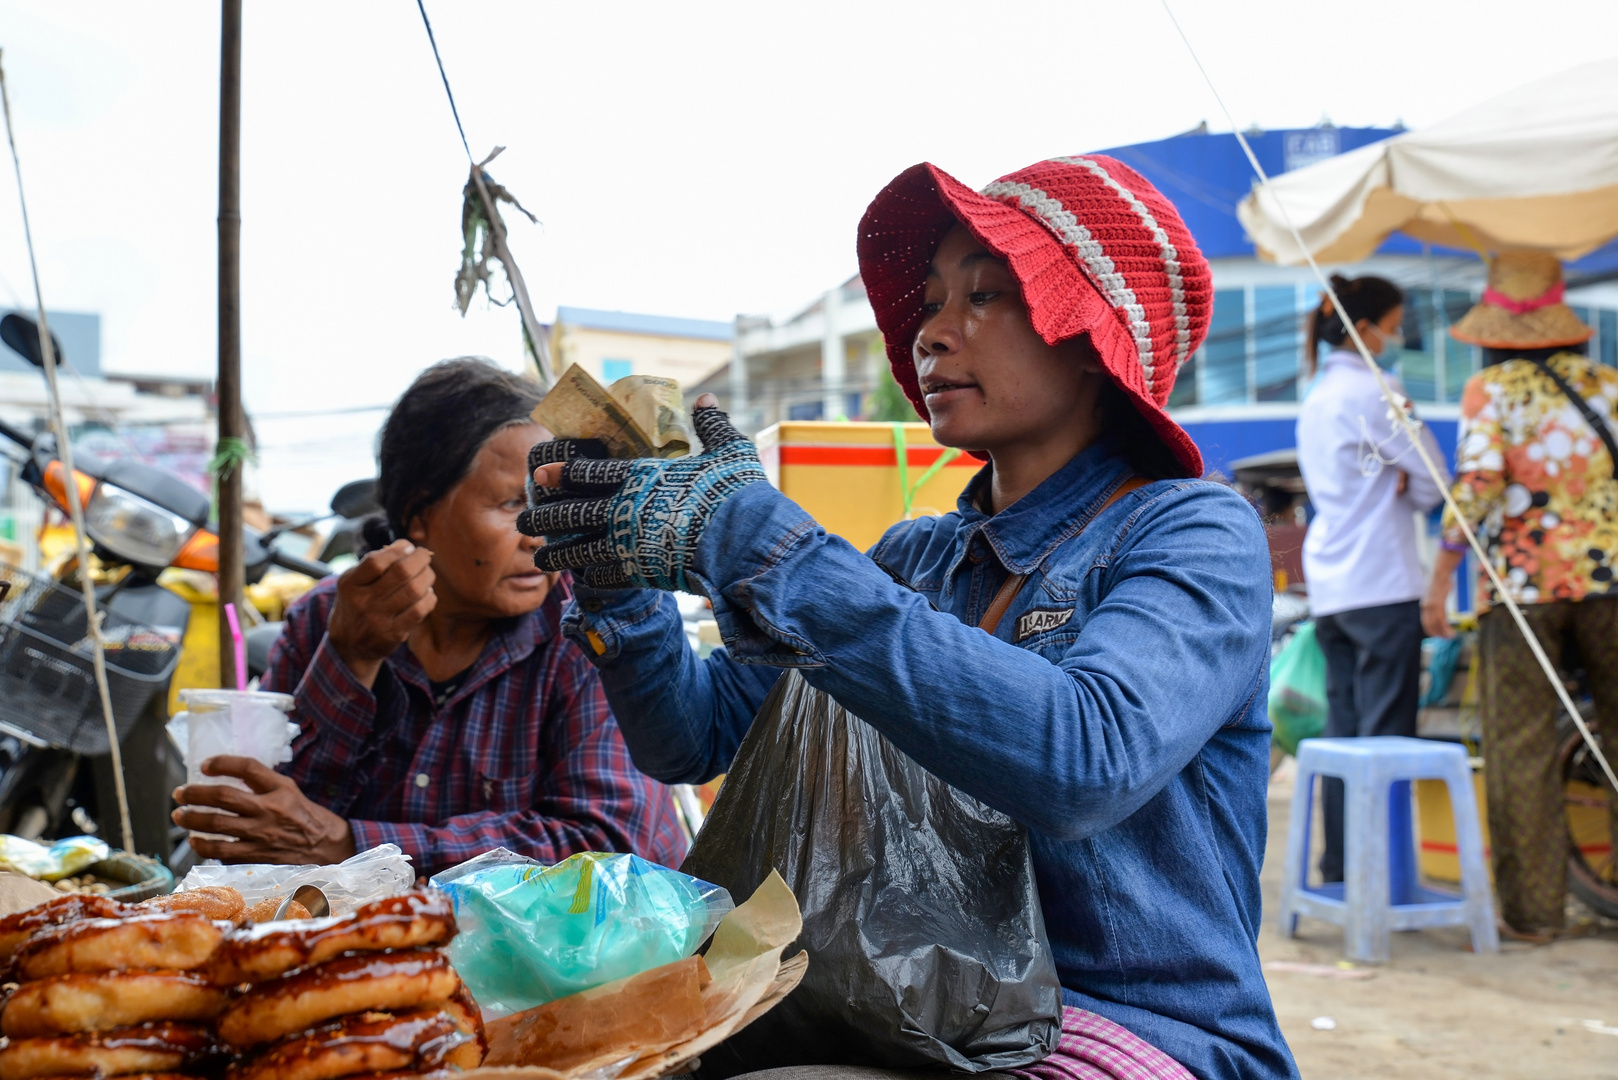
pixel 228 386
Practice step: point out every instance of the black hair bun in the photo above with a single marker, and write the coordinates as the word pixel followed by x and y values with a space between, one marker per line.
pixel 375 532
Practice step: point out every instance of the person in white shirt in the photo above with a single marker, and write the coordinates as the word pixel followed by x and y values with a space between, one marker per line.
pixel 1360 559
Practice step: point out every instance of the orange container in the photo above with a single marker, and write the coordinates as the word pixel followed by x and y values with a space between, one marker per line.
pixel 847 474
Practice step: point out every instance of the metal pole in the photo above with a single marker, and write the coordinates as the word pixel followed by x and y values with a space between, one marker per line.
pixel 228 386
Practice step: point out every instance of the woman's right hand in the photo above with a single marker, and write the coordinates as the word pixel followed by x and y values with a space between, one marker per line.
pixel 1435 603
pixel 379 602
pixel 1434 610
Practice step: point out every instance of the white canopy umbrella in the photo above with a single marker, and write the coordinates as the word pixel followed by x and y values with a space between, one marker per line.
pixel 1535 168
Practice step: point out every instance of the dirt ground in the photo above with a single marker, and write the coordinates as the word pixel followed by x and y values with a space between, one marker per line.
pixel 1437 1011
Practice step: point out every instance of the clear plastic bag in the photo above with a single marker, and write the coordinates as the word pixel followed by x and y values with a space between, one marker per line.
pixel 381 871
pixel 530 934
pixel 238 722
pixel 64 858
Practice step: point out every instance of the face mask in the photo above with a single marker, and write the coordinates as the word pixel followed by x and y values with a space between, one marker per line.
pixel 1393 347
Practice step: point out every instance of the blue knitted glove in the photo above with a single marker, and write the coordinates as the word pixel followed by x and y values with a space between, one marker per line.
pixel 635 523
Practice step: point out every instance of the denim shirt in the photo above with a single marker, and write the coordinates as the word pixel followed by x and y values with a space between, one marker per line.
pixel 1118 711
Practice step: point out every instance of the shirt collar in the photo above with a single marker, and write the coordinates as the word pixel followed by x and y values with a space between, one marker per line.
pixel 513 641
pixel 1028 530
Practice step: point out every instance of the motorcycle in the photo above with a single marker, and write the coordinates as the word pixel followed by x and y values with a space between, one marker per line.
pixel 55 767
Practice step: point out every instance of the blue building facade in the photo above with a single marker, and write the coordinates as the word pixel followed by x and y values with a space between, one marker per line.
pixel 1239 395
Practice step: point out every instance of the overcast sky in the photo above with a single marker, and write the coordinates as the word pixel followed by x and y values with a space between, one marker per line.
pixel 697 159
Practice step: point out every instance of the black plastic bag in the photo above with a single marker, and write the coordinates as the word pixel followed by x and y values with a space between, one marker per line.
pixel 920 913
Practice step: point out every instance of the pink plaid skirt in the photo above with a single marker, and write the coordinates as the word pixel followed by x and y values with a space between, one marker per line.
pixel 1094 1048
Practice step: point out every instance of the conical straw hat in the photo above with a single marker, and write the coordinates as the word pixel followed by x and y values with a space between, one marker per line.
pixel 1522 306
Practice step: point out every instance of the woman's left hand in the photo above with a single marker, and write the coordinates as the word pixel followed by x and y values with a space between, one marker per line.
pixel 272 823
pixel 635 523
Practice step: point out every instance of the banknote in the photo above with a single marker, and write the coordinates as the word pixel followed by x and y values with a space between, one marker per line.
pixel 658 409
pixel 638 416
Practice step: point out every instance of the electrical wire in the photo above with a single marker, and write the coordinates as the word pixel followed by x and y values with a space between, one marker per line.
pixel 1401 415
pixel 64 450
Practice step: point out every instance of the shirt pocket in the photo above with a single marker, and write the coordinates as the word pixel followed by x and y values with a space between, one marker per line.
pixel 1053 647
pixel 504 794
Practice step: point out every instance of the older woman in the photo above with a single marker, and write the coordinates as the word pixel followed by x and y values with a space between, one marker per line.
pixel 441 708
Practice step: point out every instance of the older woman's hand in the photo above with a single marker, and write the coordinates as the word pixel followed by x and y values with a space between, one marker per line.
pixel 379 602
pixel 272 823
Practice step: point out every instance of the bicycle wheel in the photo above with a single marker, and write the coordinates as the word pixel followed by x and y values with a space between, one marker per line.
pixel 1592 864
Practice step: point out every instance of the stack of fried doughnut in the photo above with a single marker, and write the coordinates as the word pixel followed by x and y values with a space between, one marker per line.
pixel 192 984
pixel 110 989
pixel 366 994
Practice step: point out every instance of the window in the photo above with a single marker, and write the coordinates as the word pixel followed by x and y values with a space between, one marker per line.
pixel 613 370
pixel 1276 343
pixel 807 410
pixel 1460 359
pixel 1185 383
pixel 1418 366
pixel 1224 372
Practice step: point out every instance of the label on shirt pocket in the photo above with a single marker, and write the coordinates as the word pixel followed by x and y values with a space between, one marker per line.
pixel 1041 621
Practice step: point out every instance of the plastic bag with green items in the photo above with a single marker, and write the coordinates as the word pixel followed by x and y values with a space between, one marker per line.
pixel 1297 703
pixel 531 933
pixel 62 859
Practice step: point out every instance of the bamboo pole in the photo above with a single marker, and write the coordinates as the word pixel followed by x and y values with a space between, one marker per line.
pixel 228 386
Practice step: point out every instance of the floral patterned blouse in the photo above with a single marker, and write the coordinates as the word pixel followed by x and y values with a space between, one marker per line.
pixel 1536 481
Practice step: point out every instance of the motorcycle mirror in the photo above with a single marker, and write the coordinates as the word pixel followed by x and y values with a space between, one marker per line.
pixel 355 499
pixel 22 334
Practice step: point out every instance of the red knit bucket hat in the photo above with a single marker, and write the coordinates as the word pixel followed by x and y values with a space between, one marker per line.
pixel 1096 248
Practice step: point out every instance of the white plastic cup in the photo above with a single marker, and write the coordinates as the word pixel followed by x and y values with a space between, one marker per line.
pixel 246 723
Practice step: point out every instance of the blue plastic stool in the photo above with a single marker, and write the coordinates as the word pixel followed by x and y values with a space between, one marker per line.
pixel 1380 892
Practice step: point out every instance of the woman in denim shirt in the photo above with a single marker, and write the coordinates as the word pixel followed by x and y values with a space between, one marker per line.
pixel 1117 707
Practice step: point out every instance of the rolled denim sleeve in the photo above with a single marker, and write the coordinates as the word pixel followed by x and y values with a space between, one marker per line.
pixel 682 717
pixel 1069 746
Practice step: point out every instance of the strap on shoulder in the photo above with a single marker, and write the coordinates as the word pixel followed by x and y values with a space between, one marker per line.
pixel 1591 417
pixel 1008 592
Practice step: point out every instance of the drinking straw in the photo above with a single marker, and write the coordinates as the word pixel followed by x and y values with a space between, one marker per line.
pixel 241 646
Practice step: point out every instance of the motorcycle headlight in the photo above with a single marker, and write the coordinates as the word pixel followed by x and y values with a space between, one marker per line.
pixel 134 529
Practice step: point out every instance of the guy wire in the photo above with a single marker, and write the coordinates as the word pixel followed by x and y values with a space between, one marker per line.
pixel 64 450
pixel 447 91
pixel 1397 408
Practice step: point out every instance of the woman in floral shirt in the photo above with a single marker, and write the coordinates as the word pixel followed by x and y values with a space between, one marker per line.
pixel 1536 481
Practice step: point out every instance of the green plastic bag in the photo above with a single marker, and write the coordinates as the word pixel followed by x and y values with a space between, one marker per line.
pixel 1297 703
pixel 530 934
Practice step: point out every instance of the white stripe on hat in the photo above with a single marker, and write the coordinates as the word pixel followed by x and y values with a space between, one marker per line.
pixel 1171 257
pixel 1067 228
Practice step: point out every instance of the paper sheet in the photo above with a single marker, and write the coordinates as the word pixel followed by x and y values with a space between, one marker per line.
pixel 654 1023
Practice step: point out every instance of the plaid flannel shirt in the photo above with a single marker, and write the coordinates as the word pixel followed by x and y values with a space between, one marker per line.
pixel 525 754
